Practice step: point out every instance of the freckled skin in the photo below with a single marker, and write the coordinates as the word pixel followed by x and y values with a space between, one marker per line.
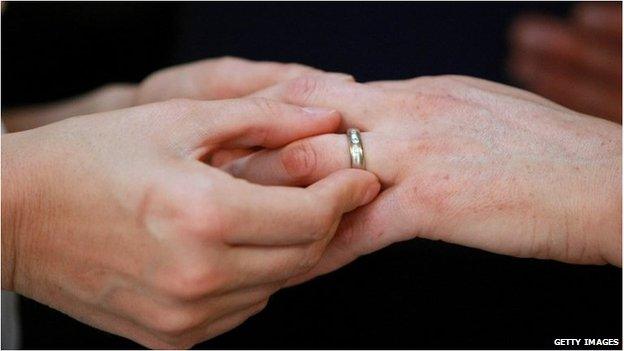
pixel 469 162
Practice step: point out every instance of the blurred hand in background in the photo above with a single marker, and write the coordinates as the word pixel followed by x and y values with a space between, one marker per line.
pixel 575 61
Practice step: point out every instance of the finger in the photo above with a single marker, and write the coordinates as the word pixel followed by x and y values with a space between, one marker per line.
pixel 367 229
pixel 600 19
pixel 402 84
pixel 576 91
pixel 170 315
pixel 207 330
pixel 286 216
pixel 93 316
pixel 355 101
pixel 221 325
pixel 306 161
pixel 557 41
pixel 226 156
pixel 215 79
pixel 199 126
pixel 257 265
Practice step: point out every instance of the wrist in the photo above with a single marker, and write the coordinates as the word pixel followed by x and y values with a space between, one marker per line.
pixel 609 234
pixel 8 237
pixel 598 210
pixel 18 199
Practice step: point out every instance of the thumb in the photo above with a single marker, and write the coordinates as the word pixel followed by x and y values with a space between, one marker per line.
pixel 347 189
pixel 362 231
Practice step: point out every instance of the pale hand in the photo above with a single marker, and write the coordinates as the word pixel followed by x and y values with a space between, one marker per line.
pixel 461 160
pixel 113 219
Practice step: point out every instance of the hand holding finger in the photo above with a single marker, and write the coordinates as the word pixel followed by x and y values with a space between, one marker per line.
pixel 308 160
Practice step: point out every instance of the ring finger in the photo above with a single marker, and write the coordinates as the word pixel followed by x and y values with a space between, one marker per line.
pixel 307 160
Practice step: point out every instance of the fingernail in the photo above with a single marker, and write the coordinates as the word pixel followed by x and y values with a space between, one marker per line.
pixel 318 112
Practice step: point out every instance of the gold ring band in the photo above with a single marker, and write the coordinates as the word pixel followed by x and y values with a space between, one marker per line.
pixel 356 149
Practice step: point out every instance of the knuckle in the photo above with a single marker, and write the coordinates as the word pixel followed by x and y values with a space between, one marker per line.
pixel 193 281
pixel 310 258
pixel 228 60
pixel 295 69
pixel 303 89
pixel 179 106
pixel 186 216
pixel 346 238
pixel 455 77
pixel 328 218
pixel 152 77
pixel 299 159
pixel 330 211
pixel 319 232
pixel 208 220
pixel 257 135
pixel 115 89
pixel 438 85
pixel 173 208
pixel 445 78
pixel 266 106
pixel 259 307
pixel 324 221
pixel 318 228
pixel 184 344
pixel 448 84
pixel 422 80
pixel 176 344
pixel 173 323
pixel 159 342
pixel 191 211
pixel 453 81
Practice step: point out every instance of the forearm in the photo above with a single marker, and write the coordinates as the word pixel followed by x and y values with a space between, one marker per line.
pixel 110 97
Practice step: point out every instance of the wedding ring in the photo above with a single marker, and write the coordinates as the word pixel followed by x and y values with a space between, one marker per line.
pixel 356 149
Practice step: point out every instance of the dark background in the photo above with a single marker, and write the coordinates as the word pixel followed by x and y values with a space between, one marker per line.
pixel 418 294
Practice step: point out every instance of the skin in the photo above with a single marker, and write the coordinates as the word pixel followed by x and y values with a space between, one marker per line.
pixel 461 160
pixel 114 219
pixel 210 79
pixel 576 61
pixel 424 196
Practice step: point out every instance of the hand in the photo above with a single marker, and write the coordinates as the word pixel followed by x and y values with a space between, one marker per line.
pixel 576 62
pixel 211 79
pixel 461 160
pixel 221 78
pixel 113 219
